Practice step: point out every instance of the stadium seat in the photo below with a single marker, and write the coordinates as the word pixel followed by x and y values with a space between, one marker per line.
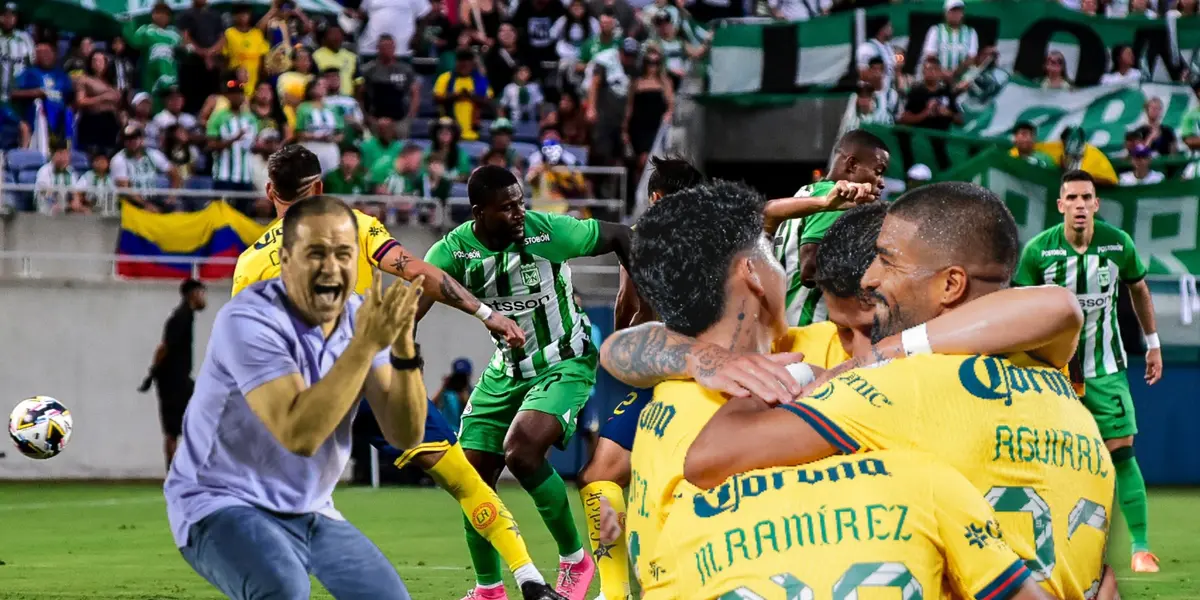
pixel 580 152
pixel 420 128
pixel 524 149
pixel 22 159
pixel 458 190
pixel 474 150
pixel 27 177
pixel 427 108
pixel 80 161
pixel 525 131
pixel 162 182
pixel 422 143
pixel 198 182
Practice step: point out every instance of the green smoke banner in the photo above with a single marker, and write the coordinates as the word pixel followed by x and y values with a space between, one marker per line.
pixel 1163 218
pixel 820 55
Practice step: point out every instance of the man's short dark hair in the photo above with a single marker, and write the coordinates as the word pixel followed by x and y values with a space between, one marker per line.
pixel 161 7
pixel 672 174
pixel 848 249
pixel 875 61
pixel 1078 175
pixel 310 207
pixel 190 285
pixel 292 170
pixel 1025 126
pixel 683 247
pixel 350 149
pixel 965 222
pixel 857 142
pixel 489 182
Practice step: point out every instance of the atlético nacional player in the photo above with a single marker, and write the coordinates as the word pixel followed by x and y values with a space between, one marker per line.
pixel 1091 258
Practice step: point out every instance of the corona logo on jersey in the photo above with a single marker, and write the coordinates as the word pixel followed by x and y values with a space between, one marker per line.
pixel 994 378
pixel 655 418
pixel 729 495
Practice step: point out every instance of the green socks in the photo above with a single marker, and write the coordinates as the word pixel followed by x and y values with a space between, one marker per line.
pixel 549 494
pixel 483 556
pixel 1131 493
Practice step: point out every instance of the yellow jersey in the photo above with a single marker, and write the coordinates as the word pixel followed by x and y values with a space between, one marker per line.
pixel 246 50
pixel 837 527
pixel 1013 426
pixel 261 261
pixel 668 425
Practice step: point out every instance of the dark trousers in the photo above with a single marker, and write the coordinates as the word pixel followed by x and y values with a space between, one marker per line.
pixel 173 396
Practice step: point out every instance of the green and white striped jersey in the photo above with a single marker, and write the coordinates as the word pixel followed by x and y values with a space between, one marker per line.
pixel 319 120
pixel 804 304
pixel 233 163
pixel 16 52
pixel 1094 275
pixel 952 47
pixel 53 187
pixel 1190 127
pixel 530 283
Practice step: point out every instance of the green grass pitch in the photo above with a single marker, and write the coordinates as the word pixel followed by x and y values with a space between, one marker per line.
pixel 110 541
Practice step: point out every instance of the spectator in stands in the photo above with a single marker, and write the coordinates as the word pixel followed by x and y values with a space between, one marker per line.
pixel 380 149
pixel 331 55
pixel 171 114
pixel 350 178
pixel 157 42
pixel 269 141
pixel 1133 138
pixel 1090 8
pixel 984 79
pixel 867 110
pixel 1073 152
pixel 522 99
pixel 456 389
pixel 879 47
pixel 203 42
pixel 140 111
pixel 441 37
pixel 318 128
pixel 482 18
pixel 607 104
pixel 1141 174
pixel 405 181
pixel 552 178
pixel 391 89
pixel 885 100
pixel 649 104
pixel 1158 137
pixel 1187 8
pixel 464 93
pixel 502 59
pixel 435 185
pixel 79 50
pixel 569 118
pixel 445 144
pixel 676 51
pixel 571 31
pixel 1055 72
pixel 16 51
pixel 534 20
pixel 96 103
pixel 1141 9
pixel 262 104
pixel 622 11
pixel 1124 67
pixel 124 66
pixel 1189 131
pixel 246 43
pixel 180 152
pixel 45 89
pixel 395 18
pixel 344 107
pixel 139 167
pixel 931 104
pixel 501 143
pixel 93 187
pixel 1024 146
pixel 291 86
pixel 54 179
pixel 953 43
pixel 799 10
pixel 231 136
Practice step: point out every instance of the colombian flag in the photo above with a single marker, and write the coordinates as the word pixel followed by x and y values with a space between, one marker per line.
pixel 216 231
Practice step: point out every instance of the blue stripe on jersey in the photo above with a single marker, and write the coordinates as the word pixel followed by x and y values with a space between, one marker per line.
pixel 824 427
pixel 1006 583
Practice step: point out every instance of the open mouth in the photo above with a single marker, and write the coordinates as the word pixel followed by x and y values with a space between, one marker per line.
pixel 327 293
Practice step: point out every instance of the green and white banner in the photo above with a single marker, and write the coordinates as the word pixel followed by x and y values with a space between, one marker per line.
pixel 1164 219
pixel 1105 113
pixel 820 55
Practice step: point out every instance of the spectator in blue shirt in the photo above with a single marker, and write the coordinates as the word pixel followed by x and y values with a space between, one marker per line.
pixel 45 90
pixel 456 389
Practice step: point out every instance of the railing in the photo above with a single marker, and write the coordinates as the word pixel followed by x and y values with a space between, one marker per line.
pixel 27 262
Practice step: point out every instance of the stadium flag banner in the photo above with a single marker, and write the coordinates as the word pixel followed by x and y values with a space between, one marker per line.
pixel 1163 219
pixel 821 54
pixel 217 231
pixel 938 150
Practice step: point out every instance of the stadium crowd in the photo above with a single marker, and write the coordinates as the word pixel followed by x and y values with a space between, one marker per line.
pixel 406 106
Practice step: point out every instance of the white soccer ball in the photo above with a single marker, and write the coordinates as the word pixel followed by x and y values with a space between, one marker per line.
pixel 802 373
pixel 40 427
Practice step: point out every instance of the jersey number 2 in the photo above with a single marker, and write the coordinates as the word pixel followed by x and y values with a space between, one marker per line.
pixel 879 574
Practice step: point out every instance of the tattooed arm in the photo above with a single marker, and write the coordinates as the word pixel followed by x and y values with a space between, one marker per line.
pixel 649 354
pixel 441 287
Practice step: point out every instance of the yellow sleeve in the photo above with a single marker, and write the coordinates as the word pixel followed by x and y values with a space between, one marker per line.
pixel 229 42
pixel 863 409
pixel 439 86
pixel 260 42
pixel 980 563
pixel 374 238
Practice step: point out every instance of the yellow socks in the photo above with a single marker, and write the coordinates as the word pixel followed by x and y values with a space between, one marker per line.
pixel 612 560
pixel 482 507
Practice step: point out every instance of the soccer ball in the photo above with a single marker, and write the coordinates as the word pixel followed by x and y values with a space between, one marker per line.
pixel 40 427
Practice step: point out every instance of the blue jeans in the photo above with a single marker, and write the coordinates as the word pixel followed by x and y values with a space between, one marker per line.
pixel 252 554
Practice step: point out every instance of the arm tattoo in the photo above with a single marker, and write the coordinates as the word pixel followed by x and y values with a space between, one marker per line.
pixel 648 354
pixel 453 293
pixel 401 262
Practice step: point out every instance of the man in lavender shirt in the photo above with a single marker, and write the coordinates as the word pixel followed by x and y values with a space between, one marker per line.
pixel 267 433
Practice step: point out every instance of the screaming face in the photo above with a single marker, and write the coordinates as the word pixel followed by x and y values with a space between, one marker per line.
pixel 320 267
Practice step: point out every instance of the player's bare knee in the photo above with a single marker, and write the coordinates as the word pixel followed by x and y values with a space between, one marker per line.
pixel 523 460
